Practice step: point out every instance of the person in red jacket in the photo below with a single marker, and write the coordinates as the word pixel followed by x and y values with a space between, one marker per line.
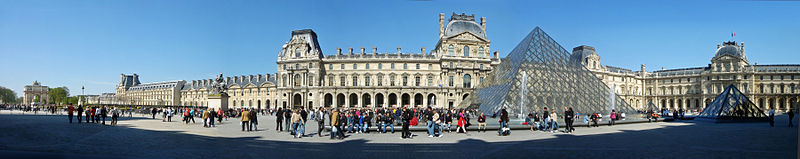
pixel 69 114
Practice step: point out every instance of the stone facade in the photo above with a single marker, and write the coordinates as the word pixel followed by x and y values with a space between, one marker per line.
pixel 36 94
pixel 769 86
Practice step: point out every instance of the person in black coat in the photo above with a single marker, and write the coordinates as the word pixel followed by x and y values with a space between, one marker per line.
pixel 279 120
pixel 406 122
pixel 80 111
pixel 569 117
pixel 503 122
pixel 288 116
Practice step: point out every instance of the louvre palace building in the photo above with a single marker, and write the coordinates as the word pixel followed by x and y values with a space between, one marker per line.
pixel 447 74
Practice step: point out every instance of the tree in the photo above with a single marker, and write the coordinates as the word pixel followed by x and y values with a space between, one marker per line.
pixel 7 95
pixel 58 95
pixel 20 100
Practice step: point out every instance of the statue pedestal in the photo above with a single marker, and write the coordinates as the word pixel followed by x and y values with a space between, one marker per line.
pixel 218 101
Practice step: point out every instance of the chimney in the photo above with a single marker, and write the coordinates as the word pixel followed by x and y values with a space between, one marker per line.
pixel 250 78
pixel 483 23
pixel 362 50
pixel 350 50
pixel 423 50
pixel 662 69
pixel 338 51
pixel 441 25
pixel 374 50
pixel 227 79
pixel 398 50
pixel 495 54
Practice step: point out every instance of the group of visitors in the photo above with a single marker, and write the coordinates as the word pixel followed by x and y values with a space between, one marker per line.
pixel 94 114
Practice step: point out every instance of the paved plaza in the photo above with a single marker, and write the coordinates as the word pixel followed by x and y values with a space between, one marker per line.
pixel 51 136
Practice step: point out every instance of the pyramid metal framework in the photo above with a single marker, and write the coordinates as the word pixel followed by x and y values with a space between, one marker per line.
pixel 539 73
pixel 732 104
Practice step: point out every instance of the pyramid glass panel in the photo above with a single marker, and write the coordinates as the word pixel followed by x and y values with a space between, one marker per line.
pixel 731 104
pixel 539 73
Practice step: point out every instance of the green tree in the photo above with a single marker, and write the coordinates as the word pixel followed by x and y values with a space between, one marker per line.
pixel 7 95
pixel 58 95
pixel 20 100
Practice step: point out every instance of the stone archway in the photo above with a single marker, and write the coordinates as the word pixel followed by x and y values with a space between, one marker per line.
pixel 366 100
pixel 353 100
pixel 379 100
pixel 393 100
pixel 405 99
pixel 418 99
pixel 340 100
pixel 298 101
pixel 431 100
pixel 328 100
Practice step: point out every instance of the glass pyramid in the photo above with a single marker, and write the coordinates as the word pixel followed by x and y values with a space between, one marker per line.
pixel 733 105
pixel 539 73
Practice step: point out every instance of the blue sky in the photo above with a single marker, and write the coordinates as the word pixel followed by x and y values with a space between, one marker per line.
pixel 77 43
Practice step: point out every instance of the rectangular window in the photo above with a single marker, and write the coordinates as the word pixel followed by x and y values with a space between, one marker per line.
pixel 330 66
pixel 343 66
pixel 392 67
pixel 355 80
pixel 367 66
pixel 416 80
pixel 391 81
pixel 430 66
pixel 481 66
pixel 450 81
pixel 405 66
pixel 380 66
pixel 310 80
pixel 405 80
pixel 341 81
pixel 366 80
pixel 310 65
pixel 430 81
pixel 330 81
pixel 380 79
pixel 355 66
pixel 418 66
pixel 451 65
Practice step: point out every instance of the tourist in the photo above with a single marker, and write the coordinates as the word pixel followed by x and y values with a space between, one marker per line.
pixel 436 123
pixel 407 116
pixel 379 122
pixel 429 117
pixel 80 111
pixel 481 123
pixel 186 116
pixel 681 111
pixel 569 115
pixel 503 130
pixel 319 116
pixel 546 117
pixel 554 122
pixel 462 122
pixel 245 120
pixel 88 114
pixel 303 116
pixel 448 120
pixel 296 120
pixel 791 116
pixel 213 114
pixel 114 116
pixel 362 122
pixel 69 113
pixel 287 114
pixel 586 121
pixel 103 114
pixel 93 111
pixel 153 111
pixel 279 120
pixel 220 114
pixel 334 123
pixel 205 116
pixel 529 121
pixel 771 117
pixel 254 120
pixel 613 117
pixel 388 121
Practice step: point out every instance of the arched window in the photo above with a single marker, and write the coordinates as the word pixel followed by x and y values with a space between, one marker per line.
pixel 297 80
pixel 480 51
pixel 466 51
pixel 450 50
pixel 297 52
pixel 467 81
pixel 283 82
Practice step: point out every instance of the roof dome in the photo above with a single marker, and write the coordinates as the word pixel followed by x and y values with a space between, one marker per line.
pixel 730 49
pixel 459 26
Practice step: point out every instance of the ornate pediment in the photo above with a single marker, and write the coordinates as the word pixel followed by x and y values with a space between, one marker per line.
pixel 467 36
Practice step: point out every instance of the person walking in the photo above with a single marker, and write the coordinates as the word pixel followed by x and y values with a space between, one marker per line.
pixel 245 120
pixel 205 116
pixel 80 111
pixel 114 116
pixel 429 118
pixel 211 115
pixel 554 121
pixel 153 111
pixel 334 123
pixel 462 123
pixel 569 117
pixel 296 119
pixel 406 122
pixel 481 123
pixel 279 120
pixel 791 116
pixel 186 116
pixel 287 114
pixel 69 113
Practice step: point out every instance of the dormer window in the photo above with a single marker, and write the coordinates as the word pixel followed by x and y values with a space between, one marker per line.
pixel 450 50
pixel 297 52
pixel 466 51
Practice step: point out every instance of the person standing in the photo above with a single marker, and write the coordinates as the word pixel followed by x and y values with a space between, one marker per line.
pixel 569 117
pixel 212 114
pixel 114 116
pixel 245 122
pixel 791 116
pixel 80 111
pixel 103 114
pixel 554 121
pixel 279 120
pixel 771 117
pixel 205 116
pixel 481 123
pixel 319 116
pixel 503 123
pixel 436 123
pixel 69 113
pixel 153 111
pixel 334 125
pixel 287 114
pixel 613 117
pixel 429 118
pixel 254 119
pixel 406 122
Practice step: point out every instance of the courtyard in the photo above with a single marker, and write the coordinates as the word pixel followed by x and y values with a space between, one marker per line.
pixel 51 136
